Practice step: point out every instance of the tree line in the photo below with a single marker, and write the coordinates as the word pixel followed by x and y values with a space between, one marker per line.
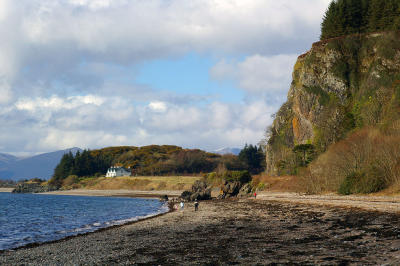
pixel 155 160
pixel 345 17
pixel 81 164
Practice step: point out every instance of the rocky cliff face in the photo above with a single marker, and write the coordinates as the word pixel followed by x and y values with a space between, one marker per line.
pixel 339 85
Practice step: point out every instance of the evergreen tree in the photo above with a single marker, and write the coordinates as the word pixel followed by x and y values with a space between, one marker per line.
pixel 253 157
pixel 360 16
pixel 63 169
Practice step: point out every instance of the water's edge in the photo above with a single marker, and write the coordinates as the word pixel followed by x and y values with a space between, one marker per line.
pixel 169 206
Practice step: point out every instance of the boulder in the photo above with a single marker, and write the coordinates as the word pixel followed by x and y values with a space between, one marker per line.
pixel 245 191
pixel 235 189
pixel 199 186
pixel 186 195
pixel 200 191
pixel 164 198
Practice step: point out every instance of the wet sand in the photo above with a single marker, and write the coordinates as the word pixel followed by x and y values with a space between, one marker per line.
pixel 243 231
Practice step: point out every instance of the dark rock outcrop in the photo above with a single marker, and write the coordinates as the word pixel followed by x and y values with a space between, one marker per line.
pixel 33 188
pixel 245 191
pixel 164 198
pixel 235 189
pixel 200 191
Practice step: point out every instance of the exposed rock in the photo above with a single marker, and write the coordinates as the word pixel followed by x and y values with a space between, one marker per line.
pixel 338 85
pixel 33 188
pixel 235 189
pixel 245 191
pixel 200 191
pixel 186 195
pixel 164 198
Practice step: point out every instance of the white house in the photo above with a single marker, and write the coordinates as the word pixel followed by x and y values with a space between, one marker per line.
pixel 114 171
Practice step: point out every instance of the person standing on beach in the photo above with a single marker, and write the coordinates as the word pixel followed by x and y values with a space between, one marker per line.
pixel 196 205
pixel 182 204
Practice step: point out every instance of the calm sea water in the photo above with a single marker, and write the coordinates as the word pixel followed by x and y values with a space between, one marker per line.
pixel 33 218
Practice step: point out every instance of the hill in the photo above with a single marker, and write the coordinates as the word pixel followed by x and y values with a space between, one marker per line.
pixel 41 166
pixel 6 159
pixel 344 99
pixel 152 160
pixel 222 151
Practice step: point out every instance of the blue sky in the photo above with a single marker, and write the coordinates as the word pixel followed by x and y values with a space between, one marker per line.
pixel 188 74
pixel 95 73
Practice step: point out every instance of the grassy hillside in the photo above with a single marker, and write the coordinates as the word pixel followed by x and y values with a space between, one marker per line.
pixel 153 160
pixel 136 183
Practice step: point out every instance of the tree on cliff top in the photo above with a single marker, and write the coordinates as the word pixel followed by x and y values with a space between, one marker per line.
pixel 345 17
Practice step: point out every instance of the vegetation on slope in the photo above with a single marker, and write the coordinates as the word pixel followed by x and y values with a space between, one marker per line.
pixel 366 161
pixel 339 130
pixel 153 160
pixel 345 17
pixel 368 71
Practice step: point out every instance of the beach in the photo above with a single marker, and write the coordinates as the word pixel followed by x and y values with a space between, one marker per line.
pixel 233 231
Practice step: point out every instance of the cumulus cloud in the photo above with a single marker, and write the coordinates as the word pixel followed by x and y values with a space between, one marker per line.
pixel 53 123
pixel 68 69
pixel 258 74
pixel 158 106
pixel 56 103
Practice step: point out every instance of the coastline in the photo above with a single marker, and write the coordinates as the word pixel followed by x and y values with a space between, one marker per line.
pixel 38 244
pixel 6 189
pixel 244 231
pixel 117 193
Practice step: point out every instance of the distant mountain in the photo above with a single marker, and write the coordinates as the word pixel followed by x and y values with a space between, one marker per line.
pixel 223 151
pixel 41 166
pixel 6 159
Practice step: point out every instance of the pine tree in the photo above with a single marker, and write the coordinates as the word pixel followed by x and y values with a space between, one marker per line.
pixel 328 22
pixel 63 169
pixel 360 16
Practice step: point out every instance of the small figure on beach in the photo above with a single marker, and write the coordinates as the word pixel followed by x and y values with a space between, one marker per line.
pixel 196 205
pixel 182 204
pixel 255 194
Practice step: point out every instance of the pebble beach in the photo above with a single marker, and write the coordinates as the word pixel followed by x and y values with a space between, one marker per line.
pixel 237 231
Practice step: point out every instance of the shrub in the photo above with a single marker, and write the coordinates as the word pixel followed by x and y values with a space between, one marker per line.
pixel 366 161
pixel 230 176
pixel 71 179
pixel 241 176
pixel 362 183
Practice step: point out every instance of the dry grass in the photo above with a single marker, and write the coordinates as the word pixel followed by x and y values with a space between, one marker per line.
pixel 368 152
pixel 146 183
pixel 264 182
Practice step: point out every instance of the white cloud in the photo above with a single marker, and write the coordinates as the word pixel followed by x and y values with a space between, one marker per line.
pixel 5 91
pixel 51 123
pixel 57 103
pixel 158 106
pixel 56 58
pixel 93 4
pixel 258 74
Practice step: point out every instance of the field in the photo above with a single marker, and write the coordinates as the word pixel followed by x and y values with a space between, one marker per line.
pixel 137 183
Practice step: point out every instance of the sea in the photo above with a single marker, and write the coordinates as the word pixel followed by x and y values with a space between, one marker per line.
pixel 38 218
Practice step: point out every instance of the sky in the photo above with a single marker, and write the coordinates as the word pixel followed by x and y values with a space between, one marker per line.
pixel 201 74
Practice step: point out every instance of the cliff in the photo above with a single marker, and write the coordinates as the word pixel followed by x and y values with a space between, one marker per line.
pixel 340 85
